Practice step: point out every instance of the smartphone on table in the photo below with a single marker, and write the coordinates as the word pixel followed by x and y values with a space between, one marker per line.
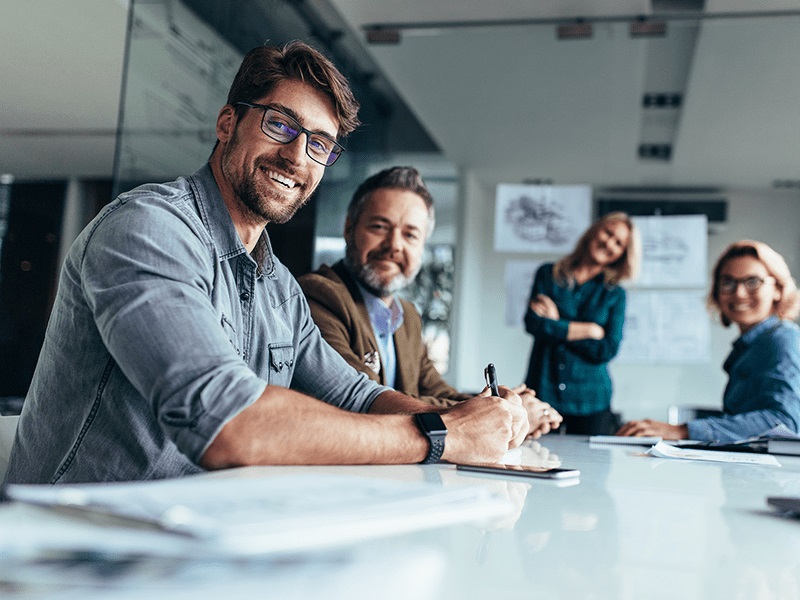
pixel 521 471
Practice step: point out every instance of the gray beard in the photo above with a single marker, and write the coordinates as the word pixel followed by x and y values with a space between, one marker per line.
pixel 370 280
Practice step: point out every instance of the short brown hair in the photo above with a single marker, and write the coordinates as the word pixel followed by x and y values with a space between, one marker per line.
pixel 625 267
pixel 264 67
pixel 788 307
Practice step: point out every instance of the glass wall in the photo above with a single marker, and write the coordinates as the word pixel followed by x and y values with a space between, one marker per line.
pixel 181 58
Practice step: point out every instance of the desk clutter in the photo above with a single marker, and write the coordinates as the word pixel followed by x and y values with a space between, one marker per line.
pixel 288 536
pixel 249 516
pixel 409 531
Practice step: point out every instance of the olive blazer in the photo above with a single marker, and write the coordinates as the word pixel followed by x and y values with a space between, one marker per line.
pixel 341 315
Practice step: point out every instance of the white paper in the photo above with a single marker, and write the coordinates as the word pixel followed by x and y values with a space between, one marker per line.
pixel 519 276
pixel 674 251
pixel 540 218
pixel 273 514
pixel 662 450
pixel 352 574
pixel 665 327
pixel 623 440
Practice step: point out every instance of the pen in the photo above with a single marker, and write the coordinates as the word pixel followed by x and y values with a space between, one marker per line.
pixel 491 379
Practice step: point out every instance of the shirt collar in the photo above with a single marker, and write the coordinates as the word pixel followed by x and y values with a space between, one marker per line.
pixel 217 219
pixel 750 336
pixel 385 319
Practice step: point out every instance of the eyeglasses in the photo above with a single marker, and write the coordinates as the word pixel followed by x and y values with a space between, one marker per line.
pixel 729 285
pixel 284 129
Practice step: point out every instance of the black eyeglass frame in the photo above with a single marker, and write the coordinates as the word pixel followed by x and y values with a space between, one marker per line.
pixel 332 157
pixel 729 285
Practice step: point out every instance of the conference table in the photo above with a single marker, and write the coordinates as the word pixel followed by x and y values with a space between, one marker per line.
pixel 631 526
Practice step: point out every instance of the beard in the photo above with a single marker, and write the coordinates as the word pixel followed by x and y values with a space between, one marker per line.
pixel 370 279
pixel 260 201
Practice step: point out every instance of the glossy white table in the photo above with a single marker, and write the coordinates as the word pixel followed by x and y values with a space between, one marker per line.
pixel 633 527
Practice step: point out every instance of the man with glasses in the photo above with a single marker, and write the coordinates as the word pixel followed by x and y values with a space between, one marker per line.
pixel 179 343
pixel 354 302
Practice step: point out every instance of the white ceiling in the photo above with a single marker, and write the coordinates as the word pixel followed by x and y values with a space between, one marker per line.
pixel 514 103
pixel 509 103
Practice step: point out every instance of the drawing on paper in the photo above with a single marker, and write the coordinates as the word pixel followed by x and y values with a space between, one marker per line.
pixel 537 219
pixel 674 251
pixel 540 218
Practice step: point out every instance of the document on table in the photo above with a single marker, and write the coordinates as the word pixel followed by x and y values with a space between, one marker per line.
pixel 263 514
pixel 624 440
pixel 662 450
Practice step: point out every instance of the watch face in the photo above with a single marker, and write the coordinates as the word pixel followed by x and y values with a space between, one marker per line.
pixel 432 423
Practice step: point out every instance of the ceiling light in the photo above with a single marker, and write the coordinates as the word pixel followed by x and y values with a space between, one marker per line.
pixel 383 36
pixel 574 31
pixel 641 28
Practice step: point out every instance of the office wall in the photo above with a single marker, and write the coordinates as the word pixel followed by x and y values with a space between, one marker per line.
pixel 481 335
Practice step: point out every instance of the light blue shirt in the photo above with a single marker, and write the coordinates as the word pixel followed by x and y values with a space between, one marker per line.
pixel 164 329
pixel 763 388
pixel 385 321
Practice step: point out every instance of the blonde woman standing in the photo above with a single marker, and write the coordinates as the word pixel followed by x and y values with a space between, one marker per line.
pixel 576 314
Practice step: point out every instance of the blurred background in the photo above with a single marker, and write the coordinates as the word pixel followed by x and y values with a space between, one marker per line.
pixel 681 107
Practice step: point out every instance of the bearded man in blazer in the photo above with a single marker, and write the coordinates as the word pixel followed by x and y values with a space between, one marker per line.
pixel 355 304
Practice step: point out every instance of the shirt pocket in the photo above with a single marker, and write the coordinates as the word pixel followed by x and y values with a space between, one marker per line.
pixel 281 363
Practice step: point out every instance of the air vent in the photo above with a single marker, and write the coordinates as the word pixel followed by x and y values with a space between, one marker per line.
pixel 640 29
pixel 574 31
pixel 783 184
pixel 655 151
pixel 383 36
pixel 662 100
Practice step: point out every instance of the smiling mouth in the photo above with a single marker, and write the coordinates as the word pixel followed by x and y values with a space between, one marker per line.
pixel 286 182
pixel 740 307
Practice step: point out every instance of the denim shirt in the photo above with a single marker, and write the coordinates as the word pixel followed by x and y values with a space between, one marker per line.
pixel 763 387
pixel 573 375
pixel 164 328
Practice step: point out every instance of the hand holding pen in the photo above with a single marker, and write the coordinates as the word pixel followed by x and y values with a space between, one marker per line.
pixel 542 418
pixel 490 374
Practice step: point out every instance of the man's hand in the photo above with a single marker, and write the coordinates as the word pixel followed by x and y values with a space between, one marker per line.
pixel 482 429
pixel 650 428
pixel 545 307
pixel 542 418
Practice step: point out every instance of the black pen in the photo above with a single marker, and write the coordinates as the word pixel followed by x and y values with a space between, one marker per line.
pixel 491 379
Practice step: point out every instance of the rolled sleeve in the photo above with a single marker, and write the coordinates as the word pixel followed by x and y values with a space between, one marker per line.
pixel 321 371
pixel 148 281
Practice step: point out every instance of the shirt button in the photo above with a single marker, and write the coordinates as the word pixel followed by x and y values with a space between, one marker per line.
pixel 562 367
pixel 244 296
pixel 562 386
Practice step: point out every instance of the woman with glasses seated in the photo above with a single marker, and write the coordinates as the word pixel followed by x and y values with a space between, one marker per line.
pixel 752 288
pixel 576 314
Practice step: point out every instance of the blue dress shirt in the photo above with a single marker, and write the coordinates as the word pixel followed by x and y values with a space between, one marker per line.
pixel 385 321
pixel 763 388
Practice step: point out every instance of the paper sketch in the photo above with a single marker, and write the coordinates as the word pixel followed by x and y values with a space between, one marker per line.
pixel 666 327
pixel 518 282
pixel 540 218
pixel 674 251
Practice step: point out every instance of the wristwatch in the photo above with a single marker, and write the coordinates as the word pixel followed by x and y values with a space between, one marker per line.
pixel 433 428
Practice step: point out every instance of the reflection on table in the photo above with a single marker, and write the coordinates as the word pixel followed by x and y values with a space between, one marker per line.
pixel 634 526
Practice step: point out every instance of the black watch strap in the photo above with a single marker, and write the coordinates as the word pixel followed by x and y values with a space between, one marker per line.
pixel 433 428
